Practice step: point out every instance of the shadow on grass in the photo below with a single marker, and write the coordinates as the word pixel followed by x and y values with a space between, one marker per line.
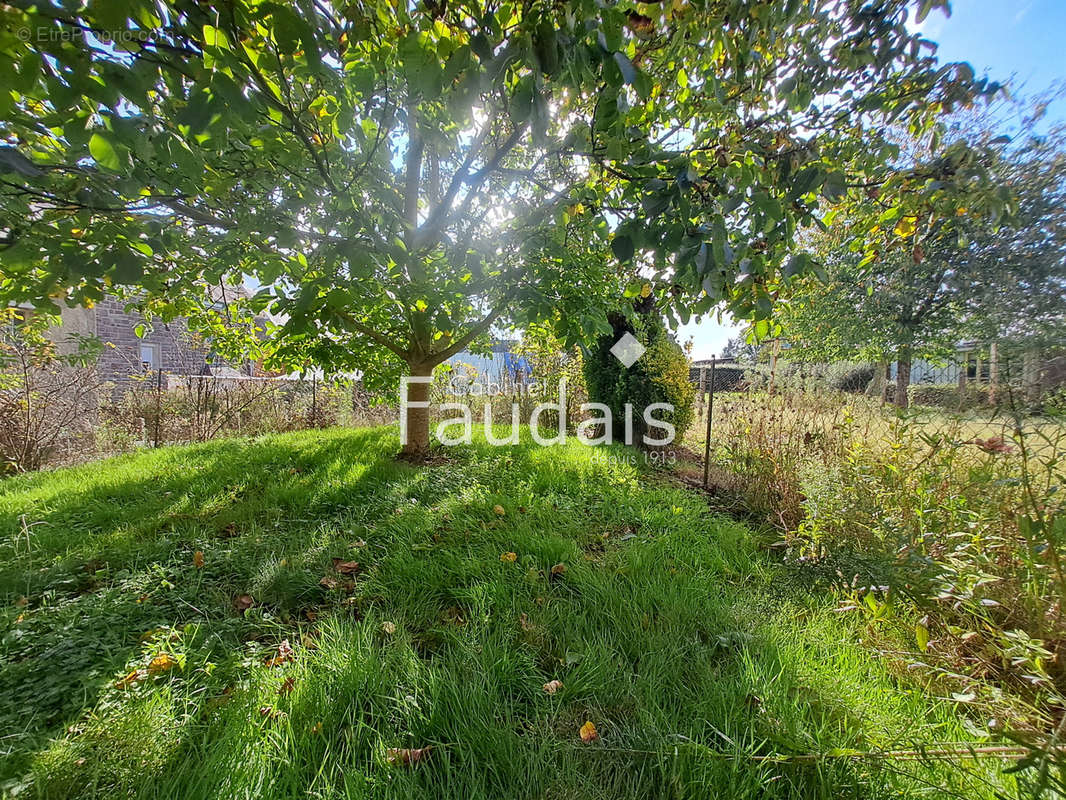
pixel 656 628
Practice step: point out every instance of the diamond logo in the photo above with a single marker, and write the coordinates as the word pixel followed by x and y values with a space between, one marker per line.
pixel 628 350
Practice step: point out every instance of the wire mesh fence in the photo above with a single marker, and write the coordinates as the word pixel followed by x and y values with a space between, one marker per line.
pixel 159 407
pixel 946 518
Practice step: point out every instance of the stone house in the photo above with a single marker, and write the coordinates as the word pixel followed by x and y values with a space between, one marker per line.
pixel 170 347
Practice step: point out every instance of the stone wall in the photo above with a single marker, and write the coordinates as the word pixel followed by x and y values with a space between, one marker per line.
pixel 179 351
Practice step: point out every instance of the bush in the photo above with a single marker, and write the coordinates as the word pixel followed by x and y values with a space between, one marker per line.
pixel 47 393
pixel 661 375
pixel 848 377
pixel 948 395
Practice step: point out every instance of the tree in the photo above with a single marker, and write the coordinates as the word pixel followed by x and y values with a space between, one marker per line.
pixel 932 285
pixel 741 350
pixel 400 178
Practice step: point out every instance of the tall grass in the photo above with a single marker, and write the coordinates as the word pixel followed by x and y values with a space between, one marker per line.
pixel 949 528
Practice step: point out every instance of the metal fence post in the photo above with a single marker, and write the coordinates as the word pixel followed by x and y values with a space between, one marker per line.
pixel 707 443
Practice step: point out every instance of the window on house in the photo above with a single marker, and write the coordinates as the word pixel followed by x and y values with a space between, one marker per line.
pixel 150 356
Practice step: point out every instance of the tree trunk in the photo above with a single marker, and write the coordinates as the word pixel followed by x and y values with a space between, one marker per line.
pixel 878 385
pixel 903 376
pixel 414 414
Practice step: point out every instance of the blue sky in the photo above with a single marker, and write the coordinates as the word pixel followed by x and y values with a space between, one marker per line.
pixel 1020 41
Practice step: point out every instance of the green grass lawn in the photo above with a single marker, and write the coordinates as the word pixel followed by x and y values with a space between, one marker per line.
pixel 128 670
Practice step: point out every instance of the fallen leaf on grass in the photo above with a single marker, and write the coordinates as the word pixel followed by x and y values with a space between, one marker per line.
pixel 557 570
pixel 588 733
pixel 287 686
pixel 283 655
pixel 163 662
pixel 329 582
pixel 271 713
pixel 388 627
pixel 551 687
pixel 198 559
pixel 523 620
pixel 316 728
pixel 136 676
pixel 345 567
pixel 244 602
pixel 499 510
pixel 405 757
pixel 509 557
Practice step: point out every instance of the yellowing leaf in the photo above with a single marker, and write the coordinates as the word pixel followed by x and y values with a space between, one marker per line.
pixel 905 227
pixel 198 559
pixel 508 557
pixel 645 290
pixel 499 510
pixel 551 687
pixel 588 733
pixel 388 627
pixel 164 662
pixel 134 677
pixel 921 634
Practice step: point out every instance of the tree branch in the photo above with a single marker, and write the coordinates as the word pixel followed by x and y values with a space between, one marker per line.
pixel 479 328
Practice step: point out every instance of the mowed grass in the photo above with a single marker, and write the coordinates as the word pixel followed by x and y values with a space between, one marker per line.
pixel 704 666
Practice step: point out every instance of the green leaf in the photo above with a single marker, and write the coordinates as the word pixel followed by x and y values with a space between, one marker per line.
pixel 806 181
pixel 835 186
pixel 622 247
pixel 215 37
pixel 921 635
pixel 104 153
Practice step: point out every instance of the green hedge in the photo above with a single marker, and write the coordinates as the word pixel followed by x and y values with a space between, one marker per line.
pixel 661 375
pixel 947 395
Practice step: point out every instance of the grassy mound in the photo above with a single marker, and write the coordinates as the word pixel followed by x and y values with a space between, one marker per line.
pixel 188 623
